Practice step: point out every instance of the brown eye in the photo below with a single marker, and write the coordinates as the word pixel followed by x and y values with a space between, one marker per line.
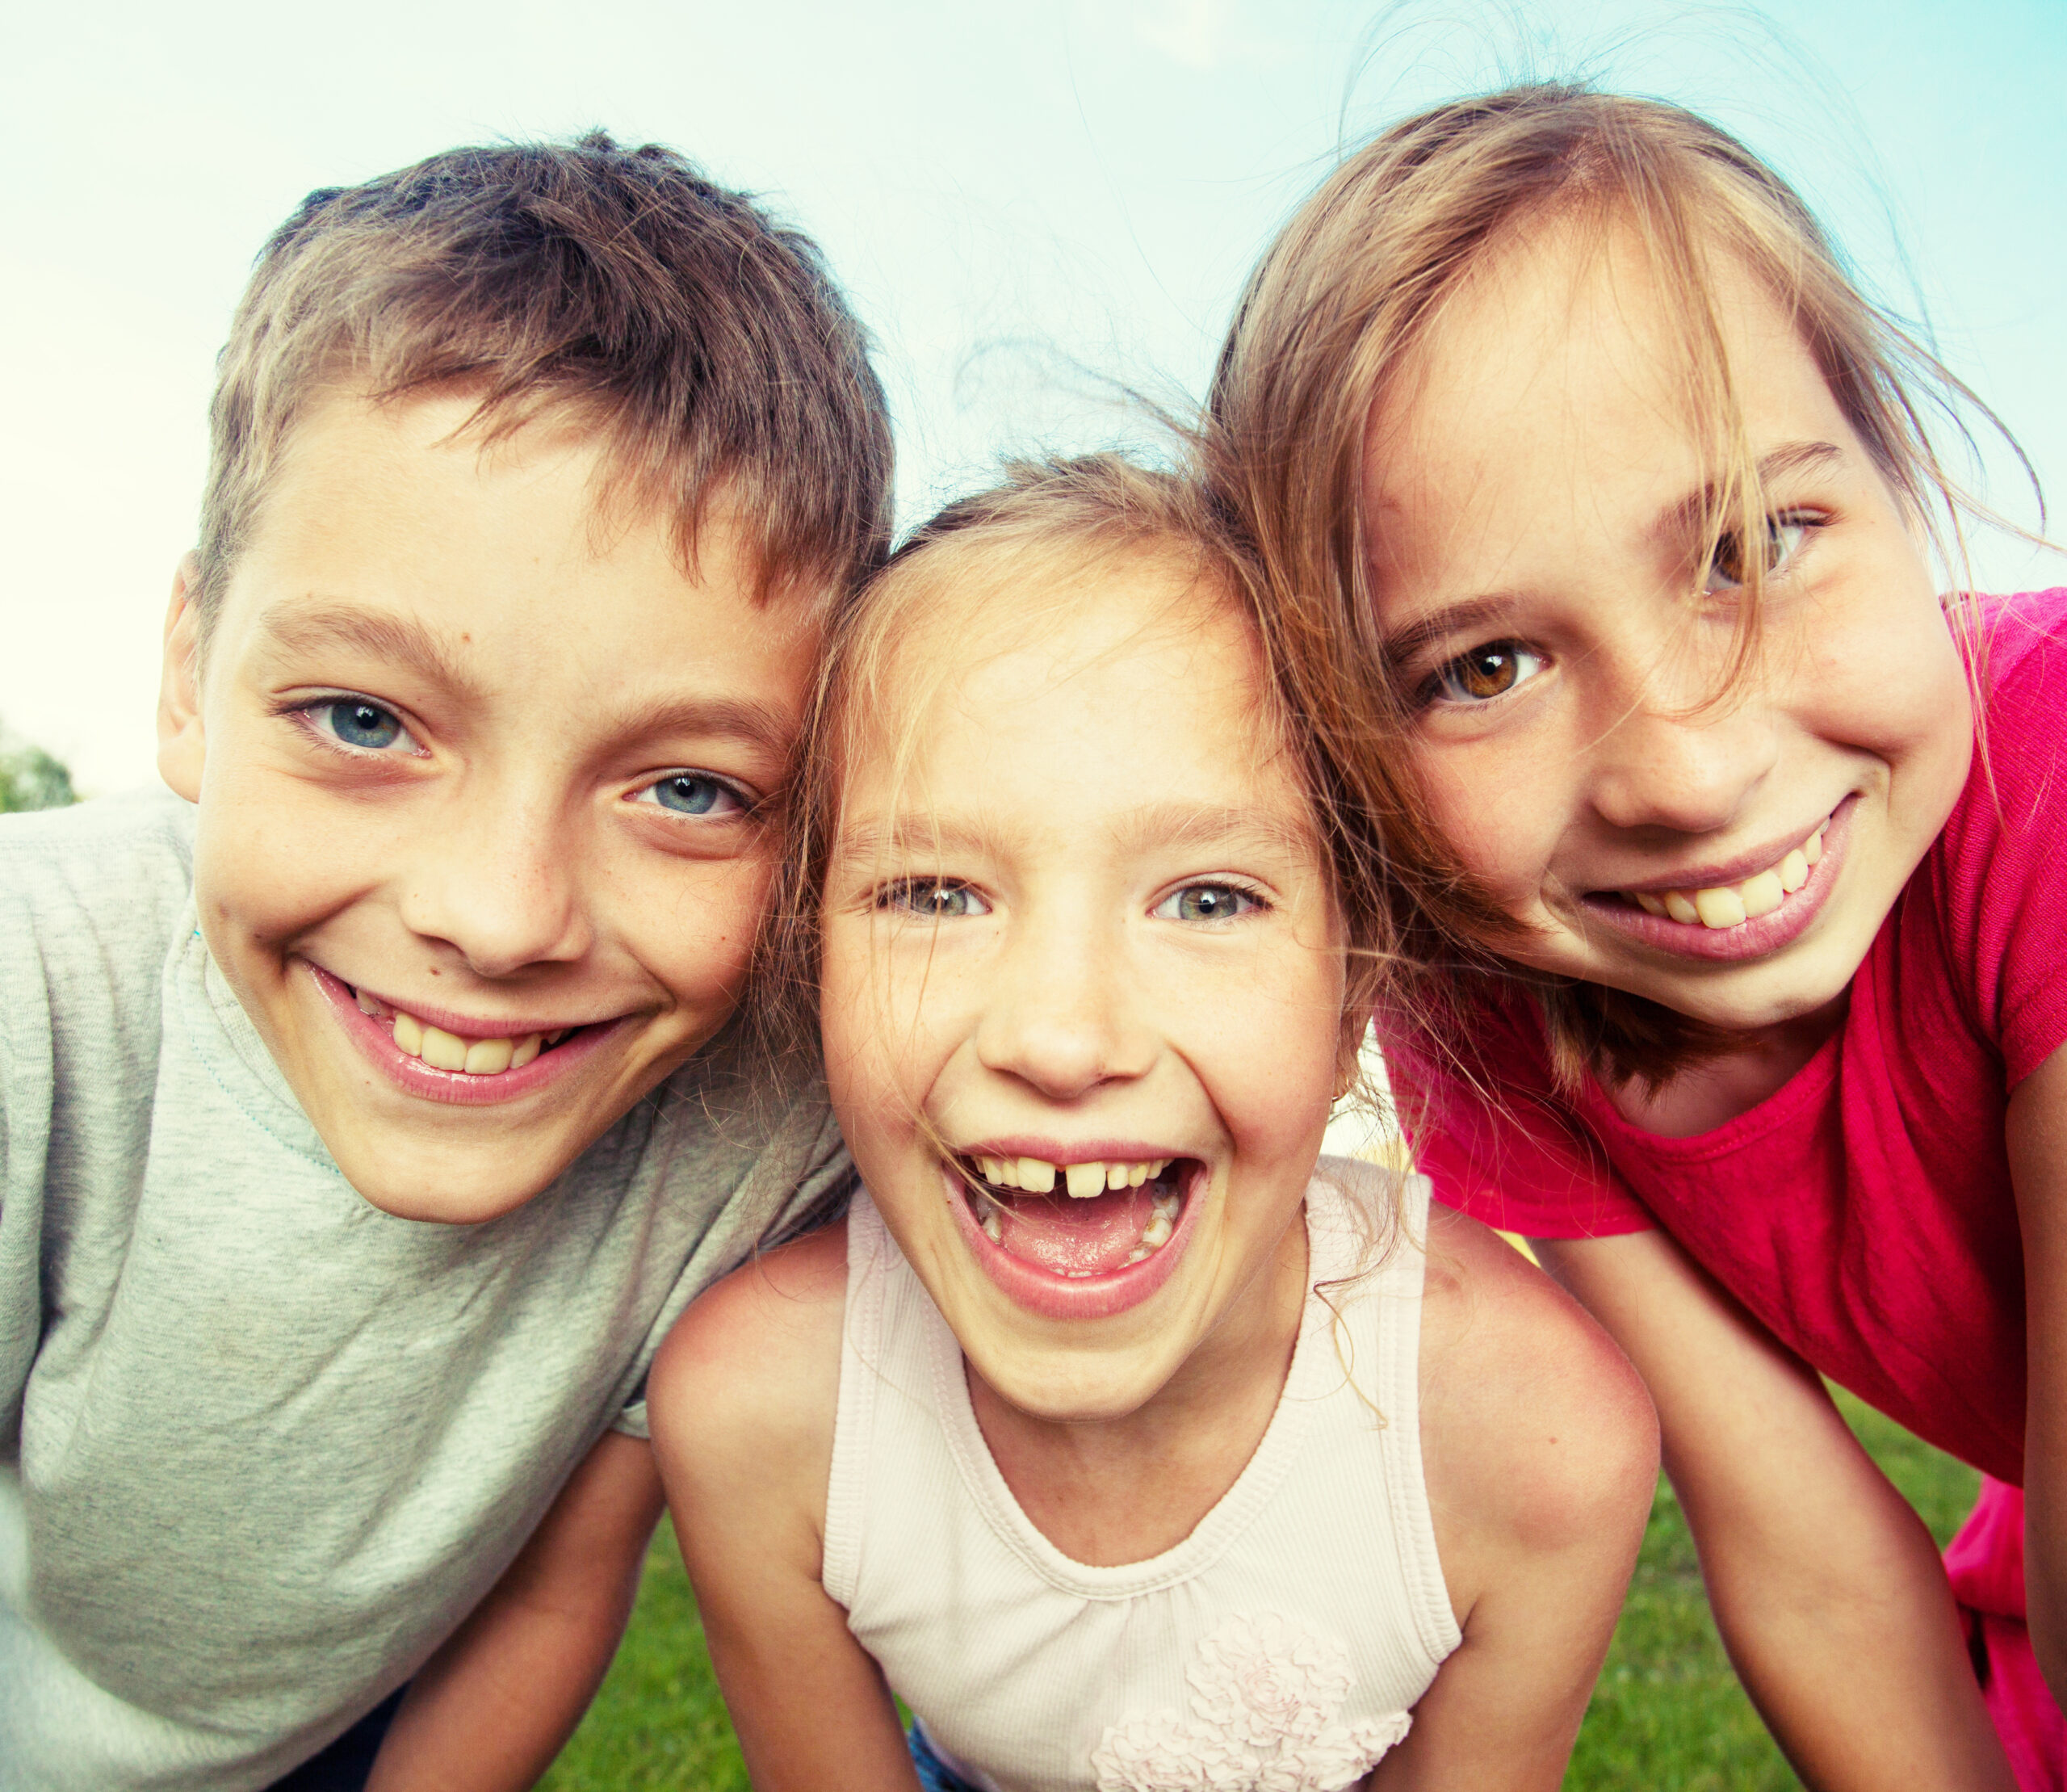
pixel 1777 542
pixel 1487 671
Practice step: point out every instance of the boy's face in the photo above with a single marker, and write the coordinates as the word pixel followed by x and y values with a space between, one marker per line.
pixel 483 780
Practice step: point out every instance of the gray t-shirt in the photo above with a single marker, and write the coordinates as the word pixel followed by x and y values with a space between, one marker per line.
pixel 261 1445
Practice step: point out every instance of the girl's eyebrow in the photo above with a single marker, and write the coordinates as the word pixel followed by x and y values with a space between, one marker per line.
pixel 1674 522
pixel 1692 511
pixel 1467 617
pixel 1197 826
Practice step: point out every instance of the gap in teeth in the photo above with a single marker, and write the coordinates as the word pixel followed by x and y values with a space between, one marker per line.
pixel 1036 1175
pixel 1732 904
pixel 1081 1181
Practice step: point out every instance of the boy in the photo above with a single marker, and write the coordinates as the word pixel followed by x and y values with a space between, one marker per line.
pixel 364 1119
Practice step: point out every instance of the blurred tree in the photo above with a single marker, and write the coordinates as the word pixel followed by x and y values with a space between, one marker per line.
pixel 31 779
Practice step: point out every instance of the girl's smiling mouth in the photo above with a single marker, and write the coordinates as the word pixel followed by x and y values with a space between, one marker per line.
pixel 1742 918
pixel 1078 1238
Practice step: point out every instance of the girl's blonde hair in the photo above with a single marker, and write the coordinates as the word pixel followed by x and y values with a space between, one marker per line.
pixel 1047 524
pixel 1333 317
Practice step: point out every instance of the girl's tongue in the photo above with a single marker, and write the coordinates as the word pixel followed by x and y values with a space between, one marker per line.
pixel 1070 1237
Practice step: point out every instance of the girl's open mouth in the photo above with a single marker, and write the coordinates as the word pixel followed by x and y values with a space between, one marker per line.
pixel 1075 1240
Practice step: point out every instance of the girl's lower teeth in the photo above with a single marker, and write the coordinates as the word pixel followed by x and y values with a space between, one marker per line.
pixel 1164 1207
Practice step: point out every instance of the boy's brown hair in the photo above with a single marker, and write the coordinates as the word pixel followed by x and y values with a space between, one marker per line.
pixel 1332 318
pixel 616 288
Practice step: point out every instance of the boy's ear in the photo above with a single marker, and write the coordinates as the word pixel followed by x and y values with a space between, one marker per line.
pixel 180 744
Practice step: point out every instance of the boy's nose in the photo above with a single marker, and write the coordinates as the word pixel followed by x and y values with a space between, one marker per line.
pixel 1061 1018
pixel 501 887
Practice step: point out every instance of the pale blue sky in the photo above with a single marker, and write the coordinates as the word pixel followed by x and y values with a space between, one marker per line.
pixel 990 182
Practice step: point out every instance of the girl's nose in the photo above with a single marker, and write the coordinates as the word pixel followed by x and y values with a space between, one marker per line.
pixel 1060 1015
pixel 1660 765
pixel 500 886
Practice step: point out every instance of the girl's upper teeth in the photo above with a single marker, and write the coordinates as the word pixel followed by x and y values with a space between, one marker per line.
pixel 1731 905
pixel 1037 1176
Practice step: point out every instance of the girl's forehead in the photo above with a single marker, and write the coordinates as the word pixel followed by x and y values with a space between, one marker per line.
pixel 1134 663
pixel 1570 371
pixel 996 636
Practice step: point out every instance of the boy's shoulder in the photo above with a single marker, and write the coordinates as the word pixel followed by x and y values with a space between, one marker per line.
pixel 91 896
pixel 747 1382
pixel 126 856
pixel 1536 1429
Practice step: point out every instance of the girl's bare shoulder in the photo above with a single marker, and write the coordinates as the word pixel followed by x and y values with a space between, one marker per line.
pixel 1538 1435
pixel 751 1371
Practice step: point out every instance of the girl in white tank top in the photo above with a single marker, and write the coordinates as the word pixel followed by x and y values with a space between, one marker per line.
pixel 1132 1446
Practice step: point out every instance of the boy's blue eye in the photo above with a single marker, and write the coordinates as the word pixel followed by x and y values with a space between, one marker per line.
pixel 693 793
pixel 358 724
pixel 933 898
pixel 1206 902
pixel 698 795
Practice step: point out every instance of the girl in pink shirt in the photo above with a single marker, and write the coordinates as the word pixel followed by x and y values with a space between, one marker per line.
pixel 1727 848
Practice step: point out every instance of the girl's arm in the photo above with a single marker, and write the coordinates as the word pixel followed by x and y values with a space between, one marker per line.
pixel 1540 1453
pixel 1828 1590
pixel 742 1399
pixel 2037 1138
pixel 494 1705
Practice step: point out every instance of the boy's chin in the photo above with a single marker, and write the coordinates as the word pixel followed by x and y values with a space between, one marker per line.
pixel 451 1187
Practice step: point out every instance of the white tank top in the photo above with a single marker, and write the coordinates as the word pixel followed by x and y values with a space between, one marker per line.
pixel 1280 1644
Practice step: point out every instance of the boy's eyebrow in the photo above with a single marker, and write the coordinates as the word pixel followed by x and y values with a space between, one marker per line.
pixel 1687 513
pixel 407 642
pixel 343 625
pixel 732 718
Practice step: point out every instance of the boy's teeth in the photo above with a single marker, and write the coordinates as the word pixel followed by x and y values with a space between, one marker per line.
pixel 443 1050
pixel 1732 904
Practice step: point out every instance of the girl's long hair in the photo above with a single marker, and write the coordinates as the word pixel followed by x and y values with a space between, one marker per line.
pixel 1333 316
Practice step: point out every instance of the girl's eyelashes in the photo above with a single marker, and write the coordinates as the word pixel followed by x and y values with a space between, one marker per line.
pixel 701 795
pixel 1733 564
pixel 356 725
pixel 1208 902
pixel 1490 670
pixel 931 898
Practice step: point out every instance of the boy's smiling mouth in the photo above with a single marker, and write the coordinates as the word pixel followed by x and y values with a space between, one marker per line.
pixel 1078 1238
pixel 440 1062
pixel 471 1055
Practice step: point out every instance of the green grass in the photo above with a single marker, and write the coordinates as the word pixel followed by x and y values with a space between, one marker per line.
pixel 1668 1716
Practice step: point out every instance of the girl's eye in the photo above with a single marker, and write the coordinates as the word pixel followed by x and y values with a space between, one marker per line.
pixel 1206 902
pixel 1731 568
pixel 1490 670
pixel 932 898
pixel 354 722
pixel 693 793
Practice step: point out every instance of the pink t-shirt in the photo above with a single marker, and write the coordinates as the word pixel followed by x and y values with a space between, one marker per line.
pixel 1863 1211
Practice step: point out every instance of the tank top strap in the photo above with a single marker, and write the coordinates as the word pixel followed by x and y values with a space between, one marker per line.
pixel 869 1254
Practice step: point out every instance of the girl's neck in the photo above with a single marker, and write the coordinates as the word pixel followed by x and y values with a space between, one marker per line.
pixel 1108 1492
pixel 1714 1092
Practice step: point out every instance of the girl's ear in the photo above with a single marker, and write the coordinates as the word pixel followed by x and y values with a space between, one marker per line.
pixel 180 743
